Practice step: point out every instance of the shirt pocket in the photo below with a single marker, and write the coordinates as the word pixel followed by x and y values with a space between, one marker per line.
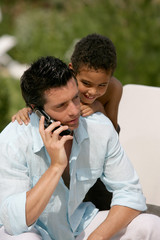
pixel 87 174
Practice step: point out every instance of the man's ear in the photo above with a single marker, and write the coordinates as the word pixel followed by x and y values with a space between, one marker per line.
pixel 32 106
pixel 70 66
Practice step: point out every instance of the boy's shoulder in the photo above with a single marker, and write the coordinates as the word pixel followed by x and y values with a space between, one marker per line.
pixel 114 89
pixel 115 84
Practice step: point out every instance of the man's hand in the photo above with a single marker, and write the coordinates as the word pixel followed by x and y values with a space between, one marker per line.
pixel 96 236
pixel 118 218
pixel 55 143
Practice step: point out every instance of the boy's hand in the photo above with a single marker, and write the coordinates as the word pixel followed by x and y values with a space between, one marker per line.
pixel 22 116
pixel 87 110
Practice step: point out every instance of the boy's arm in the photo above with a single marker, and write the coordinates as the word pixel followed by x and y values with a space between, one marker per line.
pixel 118 218
pixel 111 100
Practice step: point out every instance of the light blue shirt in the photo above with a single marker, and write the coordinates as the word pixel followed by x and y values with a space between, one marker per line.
pixel 96 153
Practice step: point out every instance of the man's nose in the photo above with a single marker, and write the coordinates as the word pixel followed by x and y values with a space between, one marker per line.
pixel 74 109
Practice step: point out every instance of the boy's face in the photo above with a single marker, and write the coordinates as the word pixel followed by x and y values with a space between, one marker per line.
pixel 63 104
pixel 92 83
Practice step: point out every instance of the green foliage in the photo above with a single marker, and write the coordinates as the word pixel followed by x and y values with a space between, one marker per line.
pixel 4 102
pixel 10 100
pixel 51 27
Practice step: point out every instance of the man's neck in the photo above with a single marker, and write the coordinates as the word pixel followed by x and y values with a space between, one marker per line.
pixel 66 175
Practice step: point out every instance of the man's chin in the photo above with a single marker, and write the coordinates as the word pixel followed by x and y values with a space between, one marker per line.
pixel 73 126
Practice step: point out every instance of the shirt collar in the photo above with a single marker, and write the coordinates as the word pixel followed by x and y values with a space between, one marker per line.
pixel 37 139
pixel 80 134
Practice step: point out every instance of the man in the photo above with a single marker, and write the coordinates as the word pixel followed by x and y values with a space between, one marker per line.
pixel 44 177
pixel 94 61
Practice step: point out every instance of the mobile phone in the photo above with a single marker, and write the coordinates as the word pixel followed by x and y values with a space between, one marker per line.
pixel 48 120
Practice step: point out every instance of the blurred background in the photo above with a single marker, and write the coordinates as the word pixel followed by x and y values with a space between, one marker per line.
pixel 30 29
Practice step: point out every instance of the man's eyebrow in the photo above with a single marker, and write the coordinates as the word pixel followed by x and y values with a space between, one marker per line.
pixel 62 103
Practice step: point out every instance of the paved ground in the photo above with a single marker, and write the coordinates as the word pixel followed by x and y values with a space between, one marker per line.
pixel 153 209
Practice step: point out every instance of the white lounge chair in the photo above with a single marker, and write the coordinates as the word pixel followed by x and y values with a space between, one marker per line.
pixel 139 119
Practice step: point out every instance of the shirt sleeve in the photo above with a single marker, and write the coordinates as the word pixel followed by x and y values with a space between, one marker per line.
pixel 13 214
pixel 120 177
pixel 14 183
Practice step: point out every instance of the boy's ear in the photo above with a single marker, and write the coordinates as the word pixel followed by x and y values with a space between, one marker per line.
pixel 70 66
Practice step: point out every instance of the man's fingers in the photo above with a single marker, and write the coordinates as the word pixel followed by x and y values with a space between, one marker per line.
pixel 65 138
pixel 53 131
pixel 41 126
pixel 47 131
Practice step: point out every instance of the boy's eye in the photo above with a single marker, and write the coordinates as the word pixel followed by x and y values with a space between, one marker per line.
pixel 104 84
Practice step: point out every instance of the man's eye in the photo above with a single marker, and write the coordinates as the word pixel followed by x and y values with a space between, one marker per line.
pixel 76 97
pixel 61 105
pixel 86 84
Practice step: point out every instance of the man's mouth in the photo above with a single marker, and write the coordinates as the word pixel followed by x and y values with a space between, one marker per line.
pixel 74 121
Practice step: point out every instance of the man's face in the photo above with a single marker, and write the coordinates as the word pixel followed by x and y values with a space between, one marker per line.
pixel 63 104
pixel 92 83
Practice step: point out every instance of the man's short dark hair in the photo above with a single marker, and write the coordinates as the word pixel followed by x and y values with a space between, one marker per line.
pixel 45 73
pixel 94 51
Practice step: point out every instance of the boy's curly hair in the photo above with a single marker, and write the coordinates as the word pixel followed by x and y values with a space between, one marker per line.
pixel 94 51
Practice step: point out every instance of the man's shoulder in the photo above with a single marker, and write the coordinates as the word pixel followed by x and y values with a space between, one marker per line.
pixel 99 131
pixel 12 134
pixel 98 123
pixel 15 131
pixel 23 140
pixel 98 118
